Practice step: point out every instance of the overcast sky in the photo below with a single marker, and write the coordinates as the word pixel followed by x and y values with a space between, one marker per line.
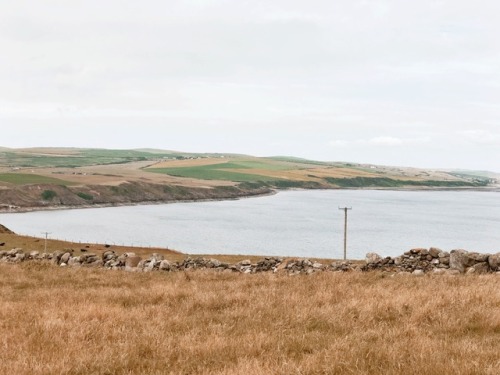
pixel 395 82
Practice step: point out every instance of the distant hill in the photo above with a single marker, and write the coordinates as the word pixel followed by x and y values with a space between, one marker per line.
pixel 45 177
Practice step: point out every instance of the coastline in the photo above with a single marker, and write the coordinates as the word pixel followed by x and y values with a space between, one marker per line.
pixel 17 209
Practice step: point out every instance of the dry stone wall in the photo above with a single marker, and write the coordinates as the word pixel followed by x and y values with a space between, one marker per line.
pixel 416 261
pixel 420 261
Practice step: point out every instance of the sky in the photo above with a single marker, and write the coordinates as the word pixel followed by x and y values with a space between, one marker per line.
pixel 391 82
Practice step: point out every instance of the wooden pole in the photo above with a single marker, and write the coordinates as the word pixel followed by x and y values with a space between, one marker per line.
pixel 46 235
pixel 345 229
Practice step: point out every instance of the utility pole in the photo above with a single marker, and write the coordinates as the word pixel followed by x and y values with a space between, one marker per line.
pixel 46 235
pixel 345 229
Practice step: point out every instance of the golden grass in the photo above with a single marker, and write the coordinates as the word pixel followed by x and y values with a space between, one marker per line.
pixel 87 321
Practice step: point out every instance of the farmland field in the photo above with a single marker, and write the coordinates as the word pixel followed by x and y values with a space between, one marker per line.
pixel 282 172
pixel 90 321
pixel 229 171
pixel 105 175
pixel 72 158
pixel 24 178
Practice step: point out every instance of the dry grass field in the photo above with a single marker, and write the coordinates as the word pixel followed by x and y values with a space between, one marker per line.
pixel 89 321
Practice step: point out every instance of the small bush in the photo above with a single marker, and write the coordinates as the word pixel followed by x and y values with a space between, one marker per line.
pixel 85 196
pixel 47 195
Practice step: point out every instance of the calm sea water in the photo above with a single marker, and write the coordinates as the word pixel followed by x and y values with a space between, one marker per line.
pixel 293 223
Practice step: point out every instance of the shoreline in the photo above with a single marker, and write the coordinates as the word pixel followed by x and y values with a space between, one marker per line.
pixel 16 209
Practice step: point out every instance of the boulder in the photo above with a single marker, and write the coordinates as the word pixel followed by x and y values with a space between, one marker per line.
pixel 56 256
pixel 459 260
pixel 478 258
pixel 107 255
pixel 479 268
pixel 434 252
pixel 307 263
pixel 214 263
pixel 418 251
pixel 494 262
pixel 462 260
pixel 65 258
pixel 157 257
pixel 19 257
pixel 165 265
pixel 150 265
pixel 132 262
pixel 75 261
pixel 14 252
pixel 373 258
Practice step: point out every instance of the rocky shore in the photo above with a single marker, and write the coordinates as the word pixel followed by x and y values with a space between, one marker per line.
pixel 415 262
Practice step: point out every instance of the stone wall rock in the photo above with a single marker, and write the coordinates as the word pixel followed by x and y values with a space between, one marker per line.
pixel 416 261
pixel 494 262
pixel 424 260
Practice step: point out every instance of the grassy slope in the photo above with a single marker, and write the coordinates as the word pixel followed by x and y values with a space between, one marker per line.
pixel 24 178
pixel 222 171
pixel 278 172
pixel 72 157
pixel 83 321
pixel 281 169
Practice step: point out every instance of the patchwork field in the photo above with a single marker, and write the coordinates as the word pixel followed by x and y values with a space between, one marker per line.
pixel 45 177
pixel 276 170
pixel 56 320
pixel 95 166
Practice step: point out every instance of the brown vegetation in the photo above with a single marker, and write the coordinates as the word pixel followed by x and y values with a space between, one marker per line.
pixel 88 321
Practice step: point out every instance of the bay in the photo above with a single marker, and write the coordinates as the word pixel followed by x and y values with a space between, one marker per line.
pixel 290 223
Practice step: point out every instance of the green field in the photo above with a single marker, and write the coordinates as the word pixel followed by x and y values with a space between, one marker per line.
pixel 76 158
pixel 220 171
pixel 24 179
pixel 277 172
pixel 386 182
pixel 231 170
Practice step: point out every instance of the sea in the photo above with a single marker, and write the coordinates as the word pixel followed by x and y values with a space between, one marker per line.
pixel 307 223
